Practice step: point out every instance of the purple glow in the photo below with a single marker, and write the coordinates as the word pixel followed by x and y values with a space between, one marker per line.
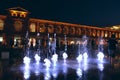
pixel 54 72
pixel 85 56
pixel 100 56
pixel 55 59
pixel 37 58
pixel 79 72
pixel 47 63
pixel 65 55
pixel 79 58
pixel 26 60
pixel 26 73
pixel 47 75
pixel 100 66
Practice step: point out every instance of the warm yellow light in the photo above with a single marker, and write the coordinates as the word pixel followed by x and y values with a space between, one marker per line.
pixel 115 27
pixel 72 42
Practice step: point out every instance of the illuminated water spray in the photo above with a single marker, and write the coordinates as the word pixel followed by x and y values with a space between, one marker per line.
pixel 100 54
pixel 37 55
pixel 26 61
pixel 47 63
pixel 37 58
pixel 54 56
pixel 85 42
pixel 65 54
pixel 85 56
pixel 48 46
pixel 54 59
pixel 79 72
pixel 79 58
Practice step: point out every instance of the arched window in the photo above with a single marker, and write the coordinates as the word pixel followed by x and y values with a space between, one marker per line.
pixel 42 28
pixel 18 25
pixel 50 28
pixel 1 24
pixel 72 30
pixel 32 27
pixel 65 30
pixel 58 29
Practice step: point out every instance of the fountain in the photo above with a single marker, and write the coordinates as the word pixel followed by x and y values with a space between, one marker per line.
pixel 65 54
pixel 100 54
pixel 54 56
pixel 83 55
pixel 47 63
pixel 37 58
pixel 54 59
pixel 79 58
pixel 51 67
pixel 37 54
pixel 26 59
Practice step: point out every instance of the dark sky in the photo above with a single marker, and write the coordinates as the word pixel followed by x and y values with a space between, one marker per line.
pixel 86 12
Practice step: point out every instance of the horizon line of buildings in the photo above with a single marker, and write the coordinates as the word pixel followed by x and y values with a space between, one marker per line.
pixel 16 23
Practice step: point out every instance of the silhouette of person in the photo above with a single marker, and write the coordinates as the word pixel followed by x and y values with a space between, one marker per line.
pixel 112 42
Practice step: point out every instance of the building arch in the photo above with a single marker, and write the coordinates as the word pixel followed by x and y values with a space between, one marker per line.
pixel 72 30
pixel 42 28
pixel 58 29
pixel 65 30
pixel 50 28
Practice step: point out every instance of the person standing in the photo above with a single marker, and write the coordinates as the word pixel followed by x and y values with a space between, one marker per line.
pixel 112 42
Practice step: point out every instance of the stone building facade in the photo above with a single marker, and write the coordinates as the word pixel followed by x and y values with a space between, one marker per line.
pixel 16 23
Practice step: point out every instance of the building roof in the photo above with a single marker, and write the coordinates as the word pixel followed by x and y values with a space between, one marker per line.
pixel 18 9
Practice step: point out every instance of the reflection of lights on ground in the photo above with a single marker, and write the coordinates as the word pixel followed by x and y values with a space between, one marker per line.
pixel 79 72
pixel 54 59
pixel 79 58
pixel 100 66
pixel 54 72
pixel 85 65
pixel 65 69
pixel 37 58
pixel 100 56
pixel 47 75
pixel 26 61
pixel 65 56
pixel 85 62
pixel 26 73
pixel 37 70
pixel 47 63
pixel 50 71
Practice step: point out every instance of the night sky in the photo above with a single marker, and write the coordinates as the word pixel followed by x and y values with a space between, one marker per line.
pixel 100 13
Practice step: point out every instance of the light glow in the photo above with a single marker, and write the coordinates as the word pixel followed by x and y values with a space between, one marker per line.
pixel 79 58
pixel 55 59
pixel 47 63
pixel 26 60
pixel 100 56
pixel 85 55
pixel 37 58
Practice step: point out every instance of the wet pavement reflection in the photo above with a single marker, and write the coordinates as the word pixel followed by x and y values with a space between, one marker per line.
pixel 70 70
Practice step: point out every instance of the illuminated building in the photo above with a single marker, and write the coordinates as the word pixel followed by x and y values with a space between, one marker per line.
pixel 17 22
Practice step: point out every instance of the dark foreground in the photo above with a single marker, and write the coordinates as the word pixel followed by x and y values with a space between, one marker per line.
pixel 71 70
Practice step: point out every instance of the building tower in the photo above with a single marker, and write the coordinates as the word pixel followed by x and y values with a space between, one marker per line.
pixel 16 25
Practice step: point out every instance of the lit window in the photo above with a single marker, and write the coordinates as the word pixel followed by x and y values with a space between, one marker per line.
pixel 32 27
pixel 18 25
pixel 1 39
pixel 1 24
pixel 42 28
